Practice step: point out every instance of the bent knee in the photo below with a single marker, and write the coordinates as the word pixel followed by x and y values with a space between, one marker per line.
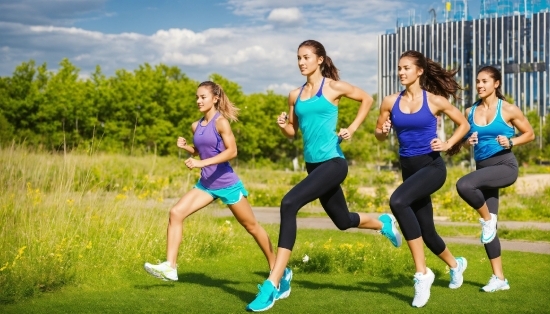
pixel 397 203
pixel 462 186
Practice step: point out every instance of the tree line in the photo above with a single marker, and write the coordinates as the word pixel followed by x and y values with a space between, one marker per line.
pixel 145 110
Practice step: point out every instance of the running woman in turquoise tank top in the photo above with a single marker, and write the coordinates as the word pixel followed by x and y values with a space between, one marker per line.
pixel 215 143
pixel 492 136
pixel 313 109
pixel 412 114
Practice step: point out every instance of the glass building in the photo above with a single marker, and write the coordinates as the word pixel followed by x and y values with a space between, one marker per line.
pixel 513 36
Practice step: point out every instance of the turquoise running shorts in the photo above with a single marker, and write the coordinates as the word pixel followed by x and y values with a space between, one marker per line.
pixel 229 195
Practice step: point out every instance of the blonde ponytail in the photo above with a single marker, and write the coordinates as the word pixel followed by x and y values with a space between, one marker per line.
pixel 223 105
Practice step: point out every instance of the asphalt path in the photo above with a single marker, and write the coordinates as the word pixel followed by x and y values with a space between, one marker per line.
pixel 270 215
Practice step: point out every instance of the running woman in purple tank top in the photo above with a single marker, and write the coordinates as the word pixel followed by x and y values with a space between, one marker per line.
pixel 215 143
pixel 412 114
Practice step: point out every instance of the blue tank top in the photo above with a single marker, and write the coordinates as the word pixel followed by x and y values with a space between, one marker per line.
pixel 415 130
pixel 317 120
pixel 209 144
pixel 487 145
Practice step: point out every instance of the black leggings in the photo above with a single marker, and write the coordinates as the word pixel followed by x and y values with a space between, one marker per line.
pixel 323 183
pixel 481 186
pixel 411 203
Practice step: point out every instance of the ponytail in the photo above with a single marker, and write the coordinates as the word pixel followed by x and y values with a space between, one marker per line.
pixel 435 78
pixel 223 104
pixel 328 69
pixel 495 74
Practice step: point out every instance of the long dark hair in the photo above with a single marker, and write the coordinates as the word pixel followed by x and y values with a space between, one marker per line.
pixel 495 74
pixel 223 105
pixel 328 69
pixel 435 78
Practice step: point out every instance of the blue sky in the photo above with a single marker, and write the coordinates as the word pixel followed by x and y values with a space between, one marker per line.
pixel 251 42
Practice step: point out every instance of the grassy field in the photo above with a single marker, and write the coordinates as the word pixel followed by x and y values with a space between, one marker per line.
pixel 226 282
pixel 75 231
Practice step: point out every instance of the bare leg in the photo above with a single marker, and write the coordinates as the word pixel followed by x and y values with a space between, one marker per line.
pixel 244 214
pixel 448 258
pixel 367 222
pixel 417 251
pixel 496 264
pixel 283 256
pixel 191 202
pixel 484 212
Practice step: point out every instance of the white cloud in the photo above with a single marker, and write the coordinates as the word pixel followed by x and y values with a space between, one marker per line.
pixel 286 16
pixel 283 88
pixel 256 55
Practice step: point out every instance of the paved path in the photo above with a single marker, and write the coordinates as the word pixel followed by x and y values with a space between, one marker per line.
pixel 271 215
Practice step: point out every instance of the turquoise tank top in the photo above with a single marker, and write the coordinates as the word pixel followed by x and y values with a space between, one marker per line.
pixel 487 144
pixel 317 118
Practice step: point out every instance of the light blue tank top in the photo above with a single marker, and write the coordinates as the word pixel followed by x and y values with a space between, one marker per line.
pixel 317 119
pixel 487 144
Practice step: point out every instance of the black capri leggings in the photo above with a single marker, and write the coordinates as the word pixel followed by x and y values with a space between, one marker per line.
pixel 323 183
pixel 481 186
pixel 411 203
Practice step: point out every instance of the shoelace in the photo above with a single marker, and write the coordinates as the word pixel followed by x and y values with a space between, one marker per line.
pixel 418 284
pixel 264 296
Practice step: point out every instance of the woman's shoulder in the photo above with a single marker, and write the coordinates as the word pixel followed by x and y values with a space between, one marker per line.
pixel 293 94
pixel 510 108
pixel 435 98
pixel 391 98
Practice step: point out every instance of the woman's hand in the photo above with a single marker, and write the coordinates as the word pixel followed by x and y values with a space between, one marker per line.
pixel 282 120
pixel 345 134
pixel 438 145
pixel 386 127
pixel 503 141
pixel 473 140
pixel 181 142
pixel 193 163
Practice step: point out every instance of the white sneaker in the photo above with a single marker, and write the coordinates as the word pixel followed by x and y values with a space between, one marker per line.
pixel 422 285
pixel 496 284
pixel 488 229
pixel 162 271
pixel 456 273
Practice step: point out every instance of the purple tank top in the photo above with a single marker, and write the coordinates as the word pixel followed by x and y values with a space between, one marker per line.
pixel 209 143
pixel 415 130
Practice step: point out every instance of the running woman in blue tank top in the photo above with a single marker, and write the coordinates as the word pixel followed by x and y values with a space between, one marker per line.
pixel 313 108
pixel 214 143
pixel 412 114
pixel 492 122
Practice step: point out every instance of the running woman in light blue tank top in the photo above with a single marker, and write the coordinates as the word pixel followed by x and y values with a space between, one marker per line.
pixel 492 122
pixel 313 109
pixel 412 114
pixel 215 143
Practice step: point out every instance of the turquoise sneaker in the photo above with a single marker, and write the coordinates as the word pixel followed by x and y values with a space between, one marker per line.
pixel 389 229
pixel 264 299
pixel 284 285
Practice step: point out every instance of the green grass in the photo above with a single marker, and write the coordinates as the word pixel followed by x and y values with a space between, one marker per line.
pixel 227 282
pixel 75 231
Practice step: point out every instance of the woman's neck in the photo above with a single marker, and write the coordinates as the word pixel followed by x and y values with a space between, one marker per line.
pixel 489 101
pixel 413 91
pixel 210 114
pixel 314 78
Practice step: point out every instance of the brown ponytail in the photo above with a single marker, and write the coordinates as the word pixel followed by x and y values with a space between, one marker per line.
pixel 223 105
pixel 495 74
pixel 435 78
pixel 328 69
